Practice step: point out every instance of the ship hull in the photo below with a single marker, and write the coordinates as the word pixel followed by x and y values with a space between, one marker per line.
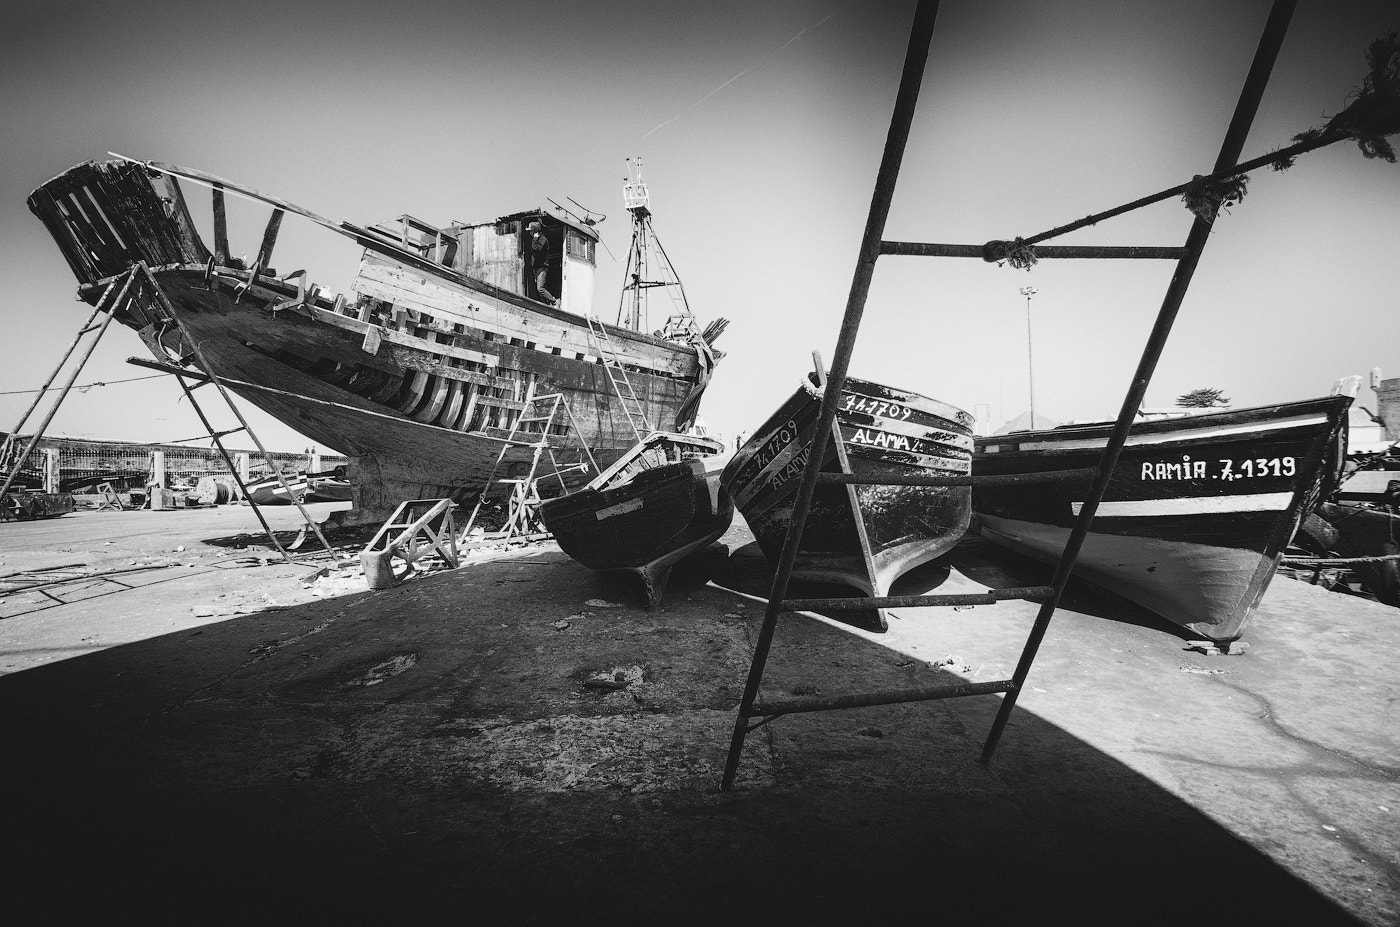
pixel 1195 517
pixel 645 525
pixel 419 379
pixel 865 537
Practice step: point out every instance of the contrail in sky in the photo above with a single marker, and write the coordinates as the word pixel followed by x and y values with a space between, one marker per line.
pixel 731 80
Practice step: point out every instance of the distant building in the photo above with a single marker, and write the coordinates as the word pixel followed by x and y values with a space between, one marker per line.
pixel 1022 422
pixel 62 464
pixel 1388 402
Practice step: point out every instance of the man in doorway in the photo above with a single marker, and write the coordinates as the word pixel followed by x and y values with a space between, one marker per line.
pixel 539 260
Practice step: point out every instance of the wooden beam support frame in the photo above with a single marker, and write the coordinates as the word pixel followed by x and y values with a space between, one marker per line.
pixel 424 528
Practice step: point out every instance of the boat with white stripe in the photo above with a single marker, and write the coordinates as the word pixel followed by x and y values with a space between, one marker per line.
pixel 1196 515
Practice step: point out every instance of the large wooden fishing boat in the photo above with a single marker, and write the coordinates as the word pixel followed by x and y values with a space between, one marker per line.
pixel 420 374
pixel 860 536
pixel 1196 516
pixel 660 502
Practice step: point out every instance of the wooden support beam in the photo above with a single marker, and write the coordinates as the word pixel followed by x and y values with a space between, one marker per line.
pixel 274 224
pixel 220 227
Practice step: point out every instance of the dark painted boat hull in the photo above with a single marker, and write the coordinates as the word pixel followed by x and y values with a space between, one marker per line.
pixel 644 525
pixel 1369 535
pixel 860 536
pixel 1196 516
pixel 30 506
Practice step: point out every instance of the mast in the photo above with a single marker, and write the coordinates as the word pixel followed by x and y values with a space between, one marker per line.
pixel 649 275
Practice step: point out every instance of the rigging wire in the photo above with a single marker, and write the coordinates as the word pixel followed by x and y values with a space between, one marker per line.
pixel 731 80
pixel 85 387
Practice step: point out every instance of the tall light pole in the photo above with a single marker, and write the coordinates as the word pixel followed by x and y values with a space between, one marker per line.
pixel 1028 292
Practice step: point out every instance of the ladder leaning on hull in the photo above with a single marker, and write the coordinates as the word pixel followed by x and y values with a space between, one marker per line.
pixel 522 511
pixel 141 284
pixel 617 377
pixel 872 247
pixel 106 303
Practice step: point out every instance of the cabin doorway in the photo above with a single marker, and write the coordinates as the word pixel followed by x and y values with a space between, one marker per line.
pixel 549 287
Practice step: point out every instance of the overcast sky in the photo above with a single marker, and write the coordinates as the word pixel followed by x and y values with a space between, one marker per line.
pixel 760 126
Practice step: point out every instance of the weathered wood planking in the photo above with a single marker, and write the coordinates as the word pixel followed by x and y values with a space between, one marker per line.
pixel 402 286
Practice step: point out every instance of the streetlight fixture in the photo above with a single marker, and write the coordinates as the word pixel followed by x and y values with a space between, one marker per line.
pixel 1028 292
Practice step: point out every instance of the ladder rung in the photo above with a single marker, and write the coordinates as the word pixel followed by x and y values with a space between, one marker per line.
pixel 857 603
pixel 883 697
pixel 1141 252
pixel 1002 479
pixel 91 328
pixel 231 431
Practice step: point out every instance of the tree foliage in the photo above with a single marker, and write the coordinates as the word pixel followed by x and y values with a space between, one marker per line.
pixel 1207 397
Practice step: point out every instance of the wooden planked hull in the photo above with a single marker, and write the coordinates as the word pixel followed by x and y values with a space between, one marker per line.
pixel 1196 515
pixel 306 487
pixel 643 522
pixel 418 378
pixel 860 536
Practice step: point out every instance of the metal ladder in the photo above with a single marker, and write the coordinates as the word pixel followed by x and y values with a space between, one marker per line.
pixel 872 247
pixel 524 500
pixel 107 303
pixel 159 306
pixel 617 376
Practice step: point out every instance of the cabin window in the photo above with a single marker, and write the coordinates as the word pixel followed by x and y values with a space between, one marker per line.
pixel 580 247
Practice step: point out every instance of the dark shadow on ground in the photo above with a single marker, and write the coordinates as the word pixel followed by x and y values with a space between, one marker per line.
pixel 434 752
pixel 354 536
pixel 995 567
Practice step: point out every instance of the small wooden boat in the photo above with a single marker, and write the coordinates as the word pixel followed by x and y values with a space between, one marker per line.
pixel 1197 514
pixel 657 503
pixel 860 536
pixel 307 487
pixel 32 505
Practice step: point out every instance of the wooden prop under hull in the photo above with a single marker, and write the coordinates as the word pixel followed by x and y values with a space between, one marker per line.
pixel 1196 516
pixel 644 522
pixel 865 537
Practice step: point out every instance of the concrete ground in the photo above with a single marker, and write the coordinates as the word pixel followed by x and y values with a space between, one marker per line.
pixel 519 740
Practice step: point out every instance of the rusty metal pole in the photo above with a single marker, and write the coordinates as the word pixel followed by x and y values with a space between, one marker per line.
pixel 915 58
pixel 1275 29
pixel 159 296
pixel 233 469
pixel 13 436
pixel 63 394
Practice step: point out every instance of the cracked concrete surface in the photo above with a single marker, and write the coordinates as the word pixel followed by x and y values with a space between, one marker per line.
pixel 520 739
